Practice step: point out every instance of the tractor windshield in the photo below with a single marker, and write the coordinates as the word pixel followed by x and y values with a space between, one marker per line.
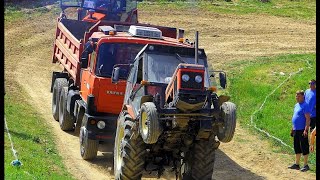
pixel 111 5
pixel 110 54
pixel 162 66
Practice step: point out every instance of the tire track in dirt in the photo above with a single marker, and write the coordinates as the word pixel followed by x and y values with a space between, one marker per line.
pixel 28 51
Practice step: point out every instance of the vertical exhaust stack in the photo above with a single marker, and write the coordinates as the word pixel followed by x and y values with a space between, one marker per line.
pixel 196 47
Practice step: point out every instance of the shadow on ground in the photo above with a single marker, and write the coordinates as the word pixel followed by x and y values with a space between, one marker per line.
pixel 225 168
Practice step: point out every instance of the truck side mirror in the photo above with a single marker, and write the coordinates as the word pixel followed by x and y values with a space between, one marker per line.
pixel 115 75
pixel 223 80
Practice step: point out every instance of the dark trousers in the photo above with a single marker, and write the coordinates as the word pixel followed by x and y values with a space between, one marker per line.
pixel 312 123
pixel 301 143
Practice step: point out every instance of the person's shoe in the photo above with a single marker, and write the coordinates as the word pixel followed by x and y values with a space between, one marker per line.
pixel 305 168
pixel 294 166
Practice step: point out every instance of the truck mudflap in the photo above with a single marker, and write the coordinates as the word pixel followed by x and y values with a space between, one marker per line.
pixel 102 134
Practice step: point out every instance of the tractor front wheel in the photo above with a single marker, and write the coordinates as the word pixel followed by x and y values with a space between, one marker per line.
pixel 150 127
pixel 228 114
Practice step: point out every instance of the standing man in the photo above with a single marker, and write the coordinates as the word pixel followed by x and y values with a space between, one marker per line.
pixel 299 131
pixel 310 98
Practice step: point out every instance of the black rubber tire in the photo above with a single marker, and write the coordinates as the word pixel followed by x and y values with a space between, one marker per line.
pixel 133 151
pixel 59 83
pixel 199 161
pixel 65 119
pixel 88 147
pixel 154 129
pixel 228 114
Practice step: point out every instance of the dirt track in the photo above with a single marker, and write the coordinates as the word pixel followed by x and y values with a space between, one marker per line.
pixel 28 48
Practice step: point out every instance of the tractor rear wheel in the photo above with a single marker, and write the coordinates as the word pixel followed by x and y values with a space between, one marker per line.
pixel 228 114
pixel 129 150
pixel 150 127
pixel 59 83
pixel 88 147
pixel 65 119
pixel 199 160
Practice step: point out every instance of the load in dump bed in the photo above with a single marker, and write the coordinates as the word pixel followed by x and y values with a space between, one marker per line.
pixel 84 99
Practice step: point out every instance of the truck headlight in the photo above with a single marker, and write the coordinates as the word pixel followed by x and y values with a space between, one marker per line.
pixel 185 77
pixel 198 79
pixel 101 124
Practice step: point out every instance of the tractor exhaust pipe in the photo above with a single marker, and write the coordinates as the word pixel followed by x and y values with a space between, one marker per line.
pixel 196 47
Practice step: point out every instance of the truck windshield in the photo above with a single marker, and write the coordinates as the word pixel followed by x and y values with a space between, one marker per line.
pixel 161 67
pixel 110 54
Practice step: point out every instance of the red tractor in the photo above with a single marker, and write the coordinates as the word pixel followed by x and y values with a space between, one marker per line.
pixel 96 10
pixel 171 116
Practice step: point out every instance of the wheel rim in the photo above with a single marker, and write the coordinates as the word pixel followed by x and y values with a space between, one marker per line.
pixel 144 125
pixel 120 136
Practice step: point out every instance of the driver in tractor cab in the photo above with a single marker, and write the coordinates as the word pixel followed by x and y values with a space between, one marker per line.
pixel 111 8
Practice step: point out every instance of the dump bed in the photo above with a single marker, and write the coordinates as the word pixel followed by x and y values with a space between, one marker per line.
pixel 69 43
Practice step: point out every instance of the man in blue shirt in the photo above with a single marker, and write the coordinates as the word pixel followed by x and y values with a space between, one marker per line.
pixel 299 131
pixel 310 99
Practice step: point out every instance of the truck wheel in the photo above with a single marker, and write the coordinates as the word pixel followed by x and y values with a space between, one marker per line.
pixel 150 127
pixel 65 119
pixel 88 147
pixel 59 83
pixel 199 161
pixel 129 150
pixel 228 114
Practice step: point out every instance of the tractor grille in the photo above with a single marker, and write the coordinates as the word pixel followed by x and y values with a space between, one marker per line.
pixel 192 84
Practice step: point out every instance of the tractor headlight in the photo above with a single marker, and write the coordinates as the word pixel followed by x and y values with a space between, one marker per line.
pixel 198 79
pixel 185 77
pixel 101 124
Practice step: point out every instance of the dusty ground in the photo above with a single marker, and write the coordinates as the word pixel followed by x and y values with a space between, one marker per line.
pixel 28 48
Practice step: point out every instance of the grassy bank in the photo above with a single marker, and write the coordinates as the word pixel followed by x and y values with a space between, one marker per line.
pixel 32 139
pixel 250 83
pixel 299 9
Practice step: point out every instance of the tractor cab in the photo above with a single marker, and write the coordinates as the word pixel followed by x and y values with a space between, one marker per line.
pixel 160 72
pixel 96 10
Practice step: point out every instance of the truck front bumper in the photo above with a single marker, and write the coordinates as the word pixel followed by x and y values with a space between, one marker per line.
pixel 105 134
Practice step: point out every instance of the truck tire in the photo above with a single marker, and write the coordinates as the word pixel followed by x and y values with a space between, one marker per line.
pixel 228 114
pixel 129 150
pixel 149 125
pixel 65 119
pixel 88 147
pixel 199 161
pixel 59 83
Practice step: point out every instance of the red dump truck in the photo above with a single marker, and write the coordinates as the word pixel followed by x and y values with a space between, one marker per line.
pixel 84 99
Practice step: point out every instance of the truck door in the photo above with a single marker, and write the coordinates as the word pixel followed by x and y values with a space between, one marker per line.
pixel 87 78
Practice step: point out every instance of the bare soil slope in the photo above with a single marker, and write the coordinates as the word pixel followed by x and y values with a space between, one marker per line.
pixel 28 52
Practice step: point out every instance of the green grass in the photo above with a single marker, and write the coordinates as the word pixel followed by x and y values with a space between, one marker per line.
pixel 296 9
pixel 251 81
pixel 32 139
pixel 25 10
